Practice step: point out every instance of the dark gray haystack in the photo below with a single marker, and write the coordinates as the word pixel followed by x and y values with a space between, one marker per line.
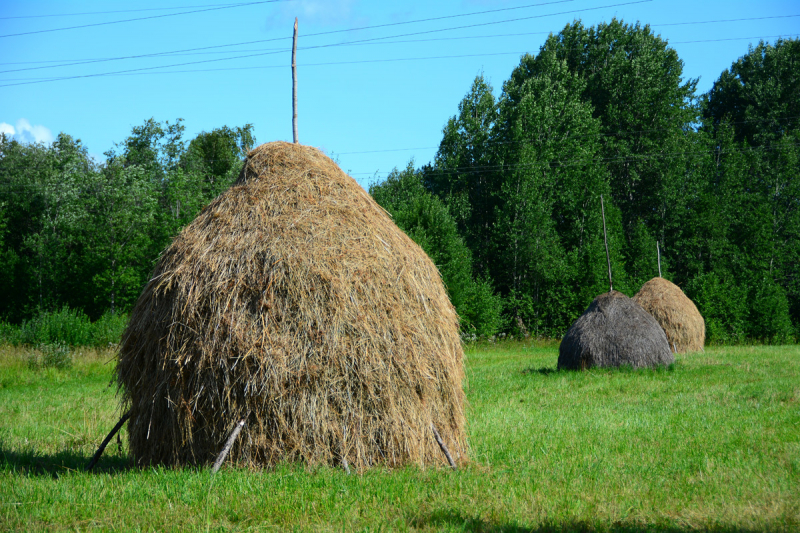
pixel 614 331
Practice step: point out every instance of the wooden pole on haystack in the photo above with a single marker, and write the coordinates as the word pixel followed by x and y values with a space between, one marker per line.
pixel 605 240
pixel 658 251
pixel 294 84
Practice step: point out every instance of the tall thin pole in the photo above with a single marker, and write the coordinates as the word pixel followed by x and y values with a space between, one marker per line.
pixel 605 240
pixel 294 83
pixel 659 260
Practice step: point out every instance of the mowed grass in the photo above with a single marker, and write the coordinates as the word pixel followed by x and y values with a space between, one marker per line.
pixel 710 444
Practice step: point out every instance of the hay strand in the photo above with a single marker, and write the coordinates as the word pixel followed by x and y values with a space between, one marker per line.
pixel 294 302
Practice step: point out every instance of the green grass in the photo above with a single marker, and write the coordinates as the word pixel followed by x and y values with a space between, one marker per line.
pixel 710 444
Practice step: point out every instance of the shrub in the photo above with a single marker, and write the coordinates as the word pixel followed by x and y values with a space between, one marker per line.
pixel 67 326
pixel 723 305
pixel 108 329
pixel 54 355
pixel 768 313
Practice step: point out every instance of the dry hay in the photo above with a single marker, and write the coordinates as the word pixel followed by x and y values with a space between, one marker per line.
pixel 614 331
pixel 294 302
pixel 677 314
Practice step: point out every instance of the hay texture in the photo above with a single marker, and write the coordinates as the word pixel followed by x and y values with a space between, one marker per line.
pixel 614 331
pixel 294 302
pixel 677 314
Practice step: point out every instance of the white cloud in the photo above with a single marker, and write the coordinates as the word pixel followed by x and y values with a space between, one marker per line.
pixel 317 12
pixel 8 129
pixel 25 132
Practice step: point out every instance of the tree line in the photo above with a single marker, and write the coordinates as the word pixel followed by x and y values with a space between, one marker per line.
pixel 606 110
pixel 509 209
pixel 85 235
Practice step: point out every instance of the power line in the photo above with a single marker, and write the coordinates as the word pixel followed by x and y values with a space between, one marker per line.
pixel 328 45
pixel 197 49
pixel 725 20
pixel 71 62
pixel 111 12
pixel 148 70
pixel 309 35
pixel 142 18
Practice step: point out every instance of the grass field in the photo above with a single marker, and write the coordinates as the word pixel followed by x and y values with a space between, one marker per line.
pixel 710 444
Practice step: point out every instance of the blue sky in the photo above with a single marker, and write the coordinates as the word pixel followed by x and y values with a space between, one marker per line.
pixel 372 105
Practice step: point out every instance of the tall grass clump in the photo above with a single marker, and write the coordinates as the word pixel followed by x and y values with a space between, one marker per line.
pixel 55 355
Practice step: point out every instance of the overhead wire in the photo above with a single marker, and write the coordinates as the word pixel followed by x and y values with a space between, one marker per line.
pixel 232 6
pixel 112 12
pixel 307 35
pixel 319 46
pixel 197 49
pixel 150 70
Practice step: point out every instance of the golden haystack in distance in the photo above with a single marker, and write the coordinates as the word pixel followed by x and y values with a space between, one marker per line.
pixel 295 303
pixel 677 314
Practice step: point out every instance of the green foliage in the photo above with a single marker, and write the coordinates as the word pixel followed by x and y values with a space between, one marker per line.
pixel 466 176
pixel 66 326
pixel 428 222
pixel 605 110
pixel 85 235
pixel 54 355
pixel 768 318
pixel 107 330
pixel 723 305
pixel 509 209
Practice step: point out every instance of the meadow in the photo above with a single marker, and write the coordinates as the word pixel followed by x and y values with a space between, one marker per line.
pixel 711 443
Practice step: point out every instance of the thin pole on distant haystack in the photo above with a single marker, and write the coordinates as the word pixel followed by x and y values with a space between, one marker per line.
pixel 294 83
pixel 658 251
pixel 605 240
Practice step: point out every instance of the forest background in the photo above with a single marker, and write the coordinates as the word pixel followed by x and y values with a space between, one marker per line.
pixel 509 209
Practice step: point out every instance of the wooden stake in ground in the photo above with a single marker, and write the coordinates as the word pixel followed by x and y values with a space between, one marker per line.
pixel 658 251
pixel 443 446
pixel 605 240
pixel 294 84
pixel 228 445
pixel 108 438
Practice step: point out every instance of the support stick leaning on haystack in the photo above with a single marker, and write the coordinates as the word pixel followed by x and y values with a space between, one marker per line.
pixel 102 448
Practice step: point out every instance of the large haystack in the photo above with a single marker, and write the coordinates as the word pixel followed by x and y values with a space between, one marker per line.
pixel 614 331
pixel 677 314
pixel 293 302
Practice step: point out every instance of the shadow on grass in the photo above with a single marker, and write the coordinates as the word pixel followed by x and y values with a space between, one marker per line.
pixel 623 369
pixel 545 371
pixel 448 519
pixel 32 463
